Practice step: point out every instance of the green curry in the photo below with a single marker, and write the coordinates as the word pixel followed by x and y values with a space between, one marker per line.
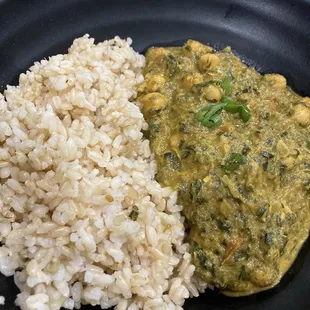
pixel 235 144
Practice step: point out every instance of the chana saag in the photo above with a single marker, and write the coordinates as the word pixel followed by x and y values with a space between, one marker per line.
pixel 235 144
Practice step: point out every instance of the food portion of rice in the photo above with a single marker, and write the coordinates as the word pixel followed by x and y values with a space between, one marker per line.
pixel 82 220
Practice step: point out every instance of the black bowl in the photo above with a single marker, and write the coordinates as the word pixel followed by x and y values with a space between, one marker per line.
pixel 271 35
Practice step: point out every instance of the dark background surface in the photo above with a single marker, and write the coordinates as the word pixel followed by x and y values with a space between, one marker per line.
pixel 272 35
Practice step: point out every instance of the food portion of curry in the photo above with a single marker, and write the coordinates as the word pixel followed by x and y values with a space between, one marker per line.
pixel 236 146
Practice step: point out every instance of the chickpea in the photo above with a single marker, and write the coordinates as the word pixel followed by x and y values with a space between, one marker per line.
pixel 189 80
pixel 192 46
pixel 175 141
pixel 141 87
pixel 224 145
pixel 208 61
pixel 276 80
pixel 262 276
pixel 227 49
pixel 282 149
pixel 289 162
pixel 301 115
pixel 154 82
pixel 212 93
pixel 156 57
pixel 305 101
pixel 156 52
pixel 154 101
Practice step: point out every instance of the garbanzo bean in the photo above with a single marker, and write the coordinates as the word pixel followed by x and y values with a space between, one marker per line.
pixel 276 80
pixel 154 101
pixel 175 141
pixel 154 82
pixel 189 80
pixel 195 47
pixel 289 162
pixel 263 276
pixel 156 52
pixel 301 115
pixel 212 93
pixel 306 101
pixel 157 56
pixel 208 61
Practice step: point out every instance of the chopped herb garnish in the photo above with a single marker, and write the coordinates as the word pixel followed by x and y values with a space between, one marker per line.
pixel 195 188
pixel 134 213
pixel 246 149
pixel 234 161
pixel 268 239
pixel 226 85
pixel 184 128
pixel 222 226
pixel 173 160
pixel 283 248
pixel 172 65
pixel 204 260
pixel 203 84
pixel 245 113
pixel 210 115
pixel 308 145
pixel 262 210
pixel 282 168
pixel 188 150
pixel 169 155
pixel 233 106
pixel 155 127
pixel 266 155
pixel 307 185
pixel 243 274
pixel 265 165
pixel 241 255
pixel 246 90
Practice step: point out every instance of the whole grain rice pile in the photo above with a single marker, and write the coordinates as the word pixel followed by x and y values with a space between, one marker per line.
pixel 82 220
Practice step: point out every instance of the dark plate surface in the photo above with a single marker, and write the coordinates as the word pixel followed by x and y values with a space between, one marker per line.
pixel 272 35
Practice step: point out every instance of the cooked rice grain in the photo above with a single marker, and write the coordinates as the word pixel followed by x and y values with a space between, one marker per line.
pixel 74 168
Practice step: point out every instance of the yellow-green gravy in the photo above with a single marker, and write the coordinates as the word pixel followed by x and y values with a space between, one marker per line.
pixel 235 144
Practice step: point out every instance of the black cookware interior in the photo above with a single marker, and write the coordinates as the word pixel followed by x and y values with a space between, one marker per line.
pixel 272 35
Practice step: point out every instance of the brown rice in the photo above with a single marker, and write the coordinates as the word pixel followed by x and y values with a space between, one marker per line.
pixel 82 220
